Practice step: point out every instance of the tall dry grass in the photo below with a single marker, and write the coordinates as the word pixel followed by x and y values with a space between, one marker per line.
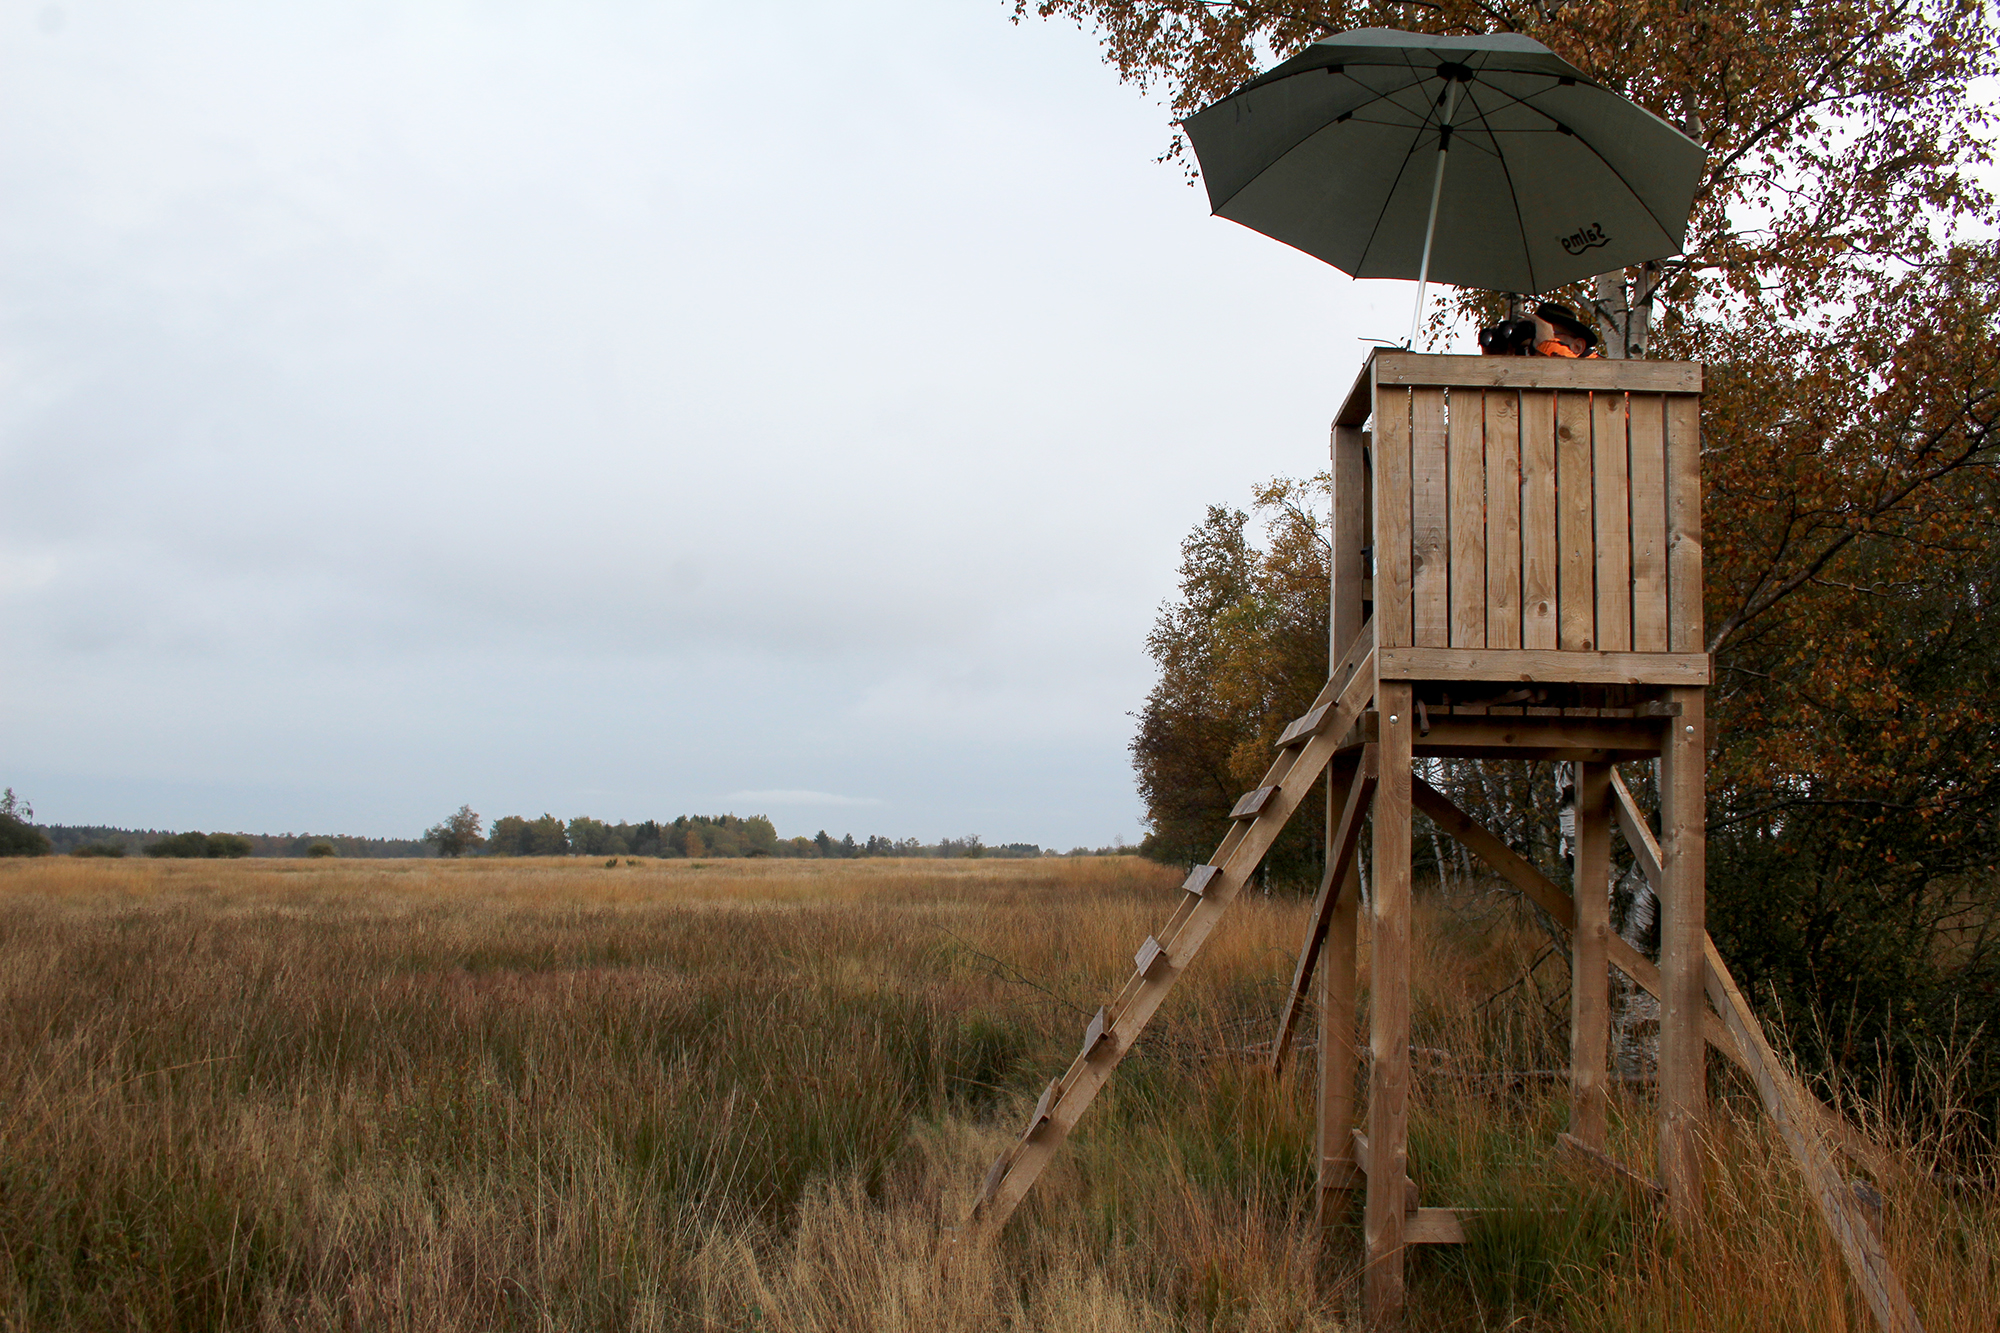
pixel 757 1095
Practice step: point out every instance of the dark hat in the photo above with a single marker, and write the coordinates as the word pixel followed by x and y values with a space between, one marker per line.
pixel 1566 319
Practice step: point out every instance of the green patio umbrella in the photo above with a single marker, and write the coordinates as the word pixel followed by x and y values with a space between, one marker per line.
pixel 1342 152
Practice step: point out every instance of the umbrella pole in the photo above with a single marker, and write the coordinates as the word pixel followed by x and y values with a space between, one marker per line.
pixel 1430 227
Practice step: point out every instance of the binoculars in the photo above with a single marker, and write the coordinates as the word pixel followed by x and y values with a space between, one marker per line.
pixel 1510 337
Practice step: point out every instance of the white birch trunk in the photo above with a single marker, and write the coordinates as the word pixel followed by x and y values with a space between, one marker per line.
pixel 1613 314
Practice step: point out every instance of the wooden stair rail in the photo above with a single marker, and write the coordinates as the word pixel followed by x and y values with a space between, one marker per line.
pixel 1209 891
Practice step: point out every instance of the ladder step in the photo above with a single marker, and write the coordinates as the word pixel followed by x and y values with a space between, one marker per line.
pixel 1305 728
pixel 1150 957
pixel 995 1174
pixel 1096 1033
pixel 1253 803
pixel 1350 687
pixel 1048 1100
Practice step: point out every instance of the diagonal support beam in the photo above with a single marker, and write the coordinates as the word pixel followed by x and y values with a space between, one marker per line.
pixel 1638 833
pixel 1346 842
pixel 1646 851
pixel 1546 894
pixel 1787 1105
pixel 1292 775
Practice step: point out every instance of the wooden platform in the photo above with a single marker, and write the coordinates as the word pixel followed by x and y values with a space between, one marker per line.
pixel 1532 505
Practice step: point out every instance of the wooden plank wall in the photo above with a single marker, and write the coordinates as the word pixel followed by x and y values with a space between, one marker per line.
pixel 1537 518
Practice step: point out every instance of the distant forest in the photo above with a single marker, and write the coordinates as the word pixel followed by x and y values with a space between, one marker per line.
pixel 688 836
pixel 67 839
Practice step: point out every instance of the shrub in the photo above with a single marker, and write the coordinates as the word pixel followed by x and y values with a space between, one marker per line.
pixel 20 838
pixel 192 845
pixel 182 845
pixel 322 849
pixel 228 845
pixel 99 849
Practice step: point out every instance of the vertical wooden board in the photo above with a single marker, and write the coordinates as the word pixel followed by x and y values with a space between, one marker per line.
pixel 1390 459
pixel 1610 468
pixel 1389 1012
pixel 1430 574
pixel 1684 623
pixel 1503 519
pixel 1649 524
pixel 1466 435
pixel 1538 519
pixel 1338 1058
pixel 1683 1095
pixel 1349 504
pixel 1367 525
pixel 1589 988
pixel 1576 562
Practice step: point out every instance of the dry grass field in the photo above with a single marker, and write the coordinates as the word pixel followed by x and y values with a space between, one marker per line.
pixel 552 1094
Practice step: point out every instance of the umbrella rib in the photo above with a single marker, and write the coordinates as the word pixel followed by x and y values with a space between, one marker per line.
pixel 1522 101
pixel 1665 230
pixel 1513 195
pixel 1374 98
pixel 1389 197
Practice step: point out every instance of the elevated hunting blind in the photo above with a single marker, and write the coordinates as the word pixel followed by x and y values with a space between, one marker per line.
pixel 1516 576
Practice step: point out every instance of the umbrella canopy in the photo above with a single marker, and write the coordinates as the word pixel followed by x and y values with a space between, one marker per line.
pixel 1490 161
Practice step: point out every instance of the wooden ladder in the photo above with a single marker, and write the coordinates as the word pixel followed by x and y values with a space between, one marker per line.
pixel 1303 751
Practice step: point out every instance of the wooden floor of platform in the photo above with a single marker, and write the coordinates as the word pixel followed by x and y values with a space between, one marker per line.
pixel 1606 735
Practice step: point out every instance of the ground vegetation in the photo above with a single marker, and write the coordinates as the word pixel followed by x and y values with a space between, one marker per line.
pixel 759 1094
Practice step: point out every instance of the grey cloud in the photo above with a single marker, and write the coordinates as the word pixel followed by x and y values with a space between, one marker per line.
pixel 610 402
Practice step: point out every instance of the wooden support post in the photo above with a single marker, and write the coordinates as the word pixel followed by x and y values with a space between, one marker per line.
pixel 1338 1059
pixel 1589 985
pixel 1389 1011
pixel 1683 1072
pixel 1646 851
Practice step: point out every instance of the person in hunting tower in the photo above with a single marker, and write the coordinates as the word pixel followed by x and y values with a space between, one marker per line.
pixel 1552 330
pixel 1558 332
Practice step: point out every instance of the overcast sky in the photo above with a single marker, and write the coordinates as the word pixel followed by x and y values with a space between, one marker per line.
pixel 613 409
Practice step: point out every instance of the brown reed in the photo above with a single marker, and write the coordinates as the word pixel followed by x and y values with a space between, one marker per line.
pixel 757 1094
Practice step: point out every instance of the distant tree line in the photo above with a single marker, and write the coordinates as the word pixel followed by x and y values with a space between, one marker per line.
pixel 687 836
pixel 18 837
pixel 463 833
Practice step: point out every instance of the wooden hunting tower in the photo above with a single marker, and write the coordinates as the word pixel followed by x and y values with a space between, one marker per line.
pixel 1534 592
pixel 1516 576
